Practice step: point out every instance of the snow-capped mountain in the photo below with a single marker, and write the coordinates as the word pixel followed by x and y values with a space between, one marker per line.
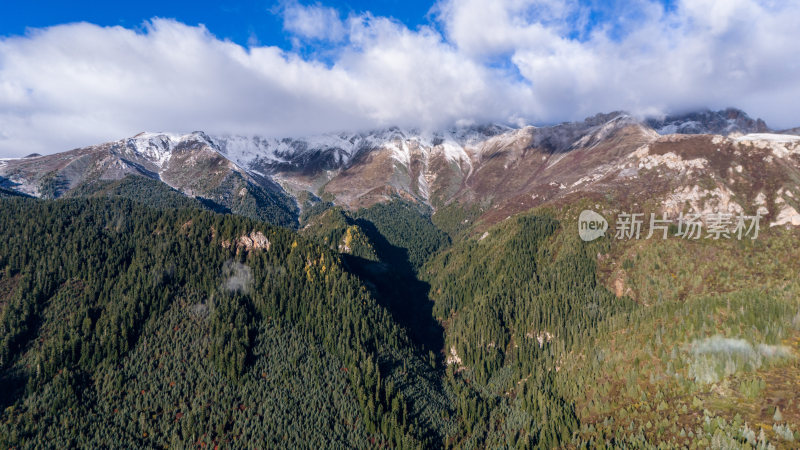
pixel 158 148
pixel 190 164
pixel 734 164
pixel 723 122
pixel 335 151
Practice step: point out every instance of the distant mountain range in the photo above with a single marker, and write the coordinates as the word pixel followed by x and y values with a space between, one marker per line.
pixel 703 160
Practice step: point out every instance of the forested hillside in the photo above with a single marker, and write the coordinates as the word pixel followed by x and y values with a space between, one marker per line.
pixel 250 200
pixel 512 302
pixel 124 325
pixel 127 322
pixel 609 344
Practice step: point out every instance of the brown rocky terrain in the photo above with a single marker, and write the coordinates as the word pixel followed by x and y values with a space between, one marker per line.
pixel 498 170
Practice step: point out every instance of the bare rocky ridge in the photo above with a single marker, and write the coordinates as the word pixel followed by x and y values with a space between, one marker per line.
pixel 189 163
pixel 714 161
pixel 723 122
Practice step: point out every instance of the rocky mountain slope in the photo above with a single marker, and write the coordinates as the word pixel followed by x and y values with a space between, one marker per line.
pixel 190 164
pixel 705 160
pixel 723 122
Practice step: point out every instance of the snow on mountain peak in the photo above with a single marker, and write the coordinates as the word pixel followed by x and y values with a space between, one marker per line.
pixel 333 151
pixel 339 149
pixel 158 147
pixel 722 122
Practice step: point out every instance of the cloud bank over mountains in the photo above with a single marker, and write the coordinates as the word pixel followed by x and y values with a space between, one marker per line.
pixel 514 61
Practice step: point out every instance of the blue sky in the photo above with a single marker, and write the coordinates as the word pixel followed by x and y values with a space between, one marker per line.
pixel 78 73
pixel 239 21
pixel 244 21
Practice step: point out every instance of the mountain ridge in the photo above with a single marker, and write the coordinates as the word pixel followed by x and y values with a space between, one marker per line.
pixel 500 169
pixel 434 294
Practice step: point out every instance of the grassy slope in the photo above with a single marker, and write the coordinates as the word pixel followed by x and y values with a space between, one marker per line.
pixel 692 350
pixel 705 356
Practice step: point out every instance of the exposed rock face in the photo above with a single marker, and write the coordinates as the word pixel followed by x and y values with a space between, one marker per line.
pixel 541 337
pixel 188 163
pixel 499 170
pixel 254 241
pixel 615 155
pixel 787 216
pixel 619 287
pixel 453 357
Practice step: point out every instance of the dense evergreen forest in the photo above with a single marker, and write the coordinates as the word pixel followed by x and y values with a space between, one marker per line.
pixel 127 325
pixel 251 201
pixel 131 322
pixel 6 193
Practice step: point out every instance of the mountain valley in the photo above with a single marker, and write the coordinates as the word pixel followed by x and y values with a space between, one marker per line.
pixel 403 288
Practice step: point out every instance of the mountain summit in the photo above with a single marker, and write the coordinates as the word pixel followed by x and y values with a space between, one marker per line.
pixel 724 122
pixel 706 160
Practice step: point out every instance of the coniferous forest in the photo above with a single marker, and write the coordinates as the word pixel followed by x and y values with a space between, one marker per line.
pixel 423 225
pixel 126 322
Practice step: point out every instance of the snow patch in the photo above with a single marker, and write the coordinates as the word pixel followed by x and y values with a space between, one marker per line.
pixel 424 187
pixel 157 148
pixel 248 150
pixel 400 152
pixel 454 152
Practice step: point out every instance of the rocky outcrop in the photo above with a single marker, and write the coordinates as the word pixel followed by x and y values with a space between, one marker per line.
pixel 249 242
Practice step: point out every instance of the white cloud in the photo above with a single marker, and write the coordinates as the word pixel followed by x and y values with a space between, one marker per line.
pixel 713 53
pixel 313 22
pixel 499 60
pixel 484 28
